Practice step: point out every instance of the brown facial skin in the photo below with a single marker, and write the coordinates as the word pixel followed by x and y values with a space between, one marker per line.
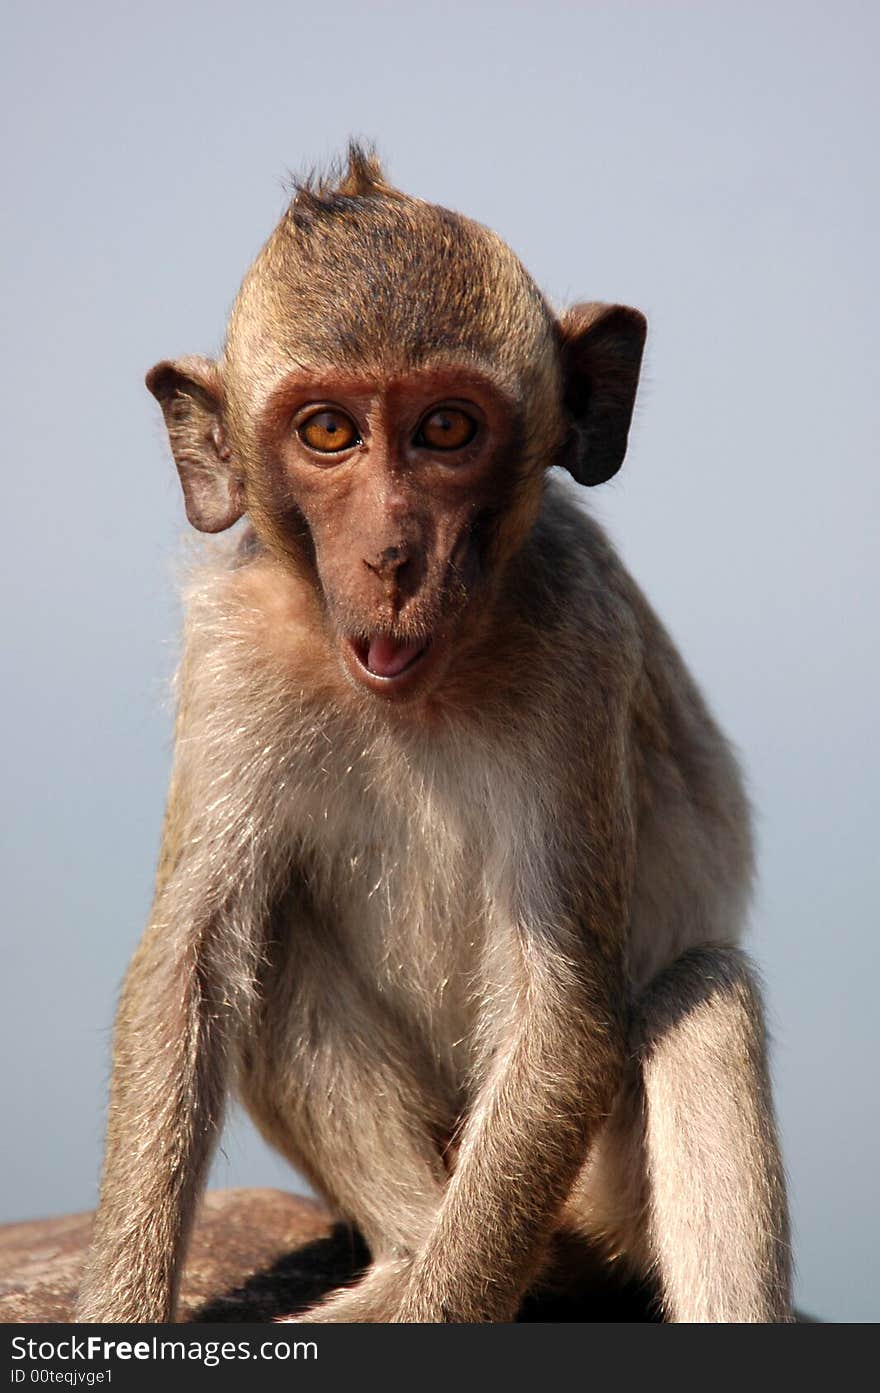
pixel 398 522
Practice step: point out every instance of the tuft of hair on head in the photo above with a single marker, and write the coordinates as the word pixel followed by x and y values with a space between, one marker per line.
pixel 358 175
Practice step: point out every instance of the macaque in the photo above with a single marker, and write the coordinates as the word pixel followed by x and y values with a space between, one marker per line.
pixel 455 860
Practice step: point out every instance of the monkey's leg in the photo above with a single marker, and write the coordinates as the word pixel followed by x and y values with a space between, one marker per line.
pixel 717 1215
pixel 169 1073
pixel 549 1081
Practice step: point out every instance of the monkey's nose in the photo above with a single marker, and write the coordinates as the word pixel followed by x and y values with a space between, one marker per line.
pixel 399 570
pixel 389 563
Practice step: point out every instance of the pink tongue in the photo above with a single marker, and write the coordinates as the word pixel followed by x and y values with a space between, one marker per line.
pixel 385 658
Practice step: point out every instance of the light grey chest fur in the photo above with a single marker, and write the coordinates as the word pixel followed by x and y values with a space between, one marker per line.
pixel 398 846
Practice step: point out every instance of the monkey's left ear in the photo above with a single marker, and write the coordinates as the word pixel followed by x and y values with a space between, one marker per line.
pixel 190 393
pixel 601 349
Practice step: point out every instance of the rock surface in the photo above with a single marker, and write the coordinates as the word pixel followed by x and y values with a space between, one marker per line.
pixel 258 1254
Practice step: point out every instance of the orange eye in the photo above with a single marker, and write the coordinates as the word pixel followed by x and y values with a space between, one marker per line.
pixel 447 428
pixel 328 432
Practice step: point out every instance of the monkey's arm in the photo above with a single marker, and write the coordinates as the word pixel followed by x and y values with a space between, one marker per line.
pixel 181 1005
pixel 166 1103
pixel 549 1082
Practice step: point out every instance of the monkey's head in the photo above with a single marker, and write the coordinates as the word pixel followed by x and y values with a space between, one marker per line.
pixel 392 390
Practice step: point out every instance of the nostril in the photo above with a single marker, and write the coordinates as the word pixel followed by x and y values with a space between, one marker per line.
pixel 389 562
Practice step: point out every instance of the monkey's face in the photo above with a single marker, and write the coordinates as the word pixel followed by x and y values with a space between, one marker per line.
pixel 393 486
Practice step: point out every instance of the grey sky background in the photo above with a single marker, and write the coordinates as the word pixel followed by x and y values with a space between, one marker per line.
pixel 714 164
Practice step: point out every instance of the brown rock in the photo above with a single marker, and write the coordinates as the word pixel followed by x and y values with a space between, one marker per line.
pixel 238 1233
pixel 258 1254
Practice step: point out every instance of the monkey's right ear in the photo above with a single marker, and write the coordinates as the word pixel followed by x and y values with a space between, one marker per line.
pixel 190 393
pixel 601 357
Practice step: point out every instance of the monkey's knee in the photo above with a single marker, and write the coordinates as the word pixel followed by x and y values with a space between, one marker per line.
pixel 703 983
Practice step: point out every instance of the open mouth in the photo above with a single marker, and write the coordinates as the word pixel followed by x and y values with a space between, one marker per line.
pixel 387 659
